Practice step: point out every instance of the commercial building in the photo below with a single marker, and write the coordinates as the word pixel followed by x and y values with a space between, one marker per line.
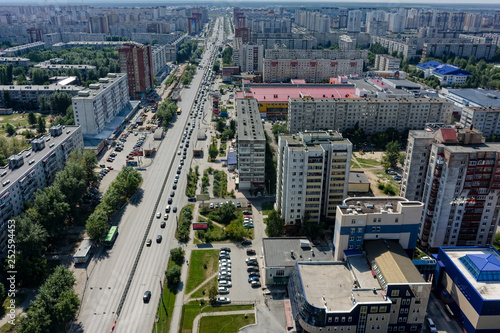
pixel 28 95
pixel 136 61
pixel 385 62
pixel 483 118
pixel 371 114
pixel 96 106
pixel 468 280
pixel 311 65
pixel 447 74
pixel 251 144
pixel 464 49
pixel 381 291
pixel 32 169
pixel 280 256
pixel 460 187
pixel 313 175
pixel 472 97
pixel 365 218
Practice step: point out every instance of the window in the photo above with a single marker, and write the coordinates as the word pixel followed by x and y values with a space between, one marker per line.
pixel 395 293
pixel 396 220
pixel 374 309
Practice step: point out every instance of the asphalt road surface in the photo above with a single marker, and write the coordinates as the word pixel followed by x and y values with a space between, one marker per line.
pixel 111 286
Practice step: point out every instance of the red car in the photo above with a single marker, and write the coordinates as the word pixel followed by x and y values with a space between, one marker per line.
pixel 110 159
pixel 249 204
pixel 110 167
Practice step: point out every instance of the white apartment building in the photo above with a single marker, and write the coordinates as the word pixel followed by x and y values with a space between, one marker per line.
pixel 15 61
pixel 30 93
pixel 483 118
pixel 460 191
pixel 354 19
pixel 385 62
pixel 251 143
pixel 366 218
pixel 311 65
pixel 313 175
pixel 32 169
pixel 95 107
pixel 161 55
pixel 249 57
pixel 347 43
pixel 371 114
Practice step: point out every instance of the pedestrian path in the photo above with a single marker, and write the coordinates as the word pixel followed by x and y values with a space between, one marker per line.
pixel 188 296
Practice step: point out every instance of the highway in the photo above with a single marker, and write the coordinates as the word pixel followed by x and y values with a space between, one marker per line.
pixel 112 287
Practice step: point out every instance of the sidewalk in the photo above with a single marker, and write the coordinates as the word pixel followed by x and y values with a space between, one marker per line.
pixel 196 321
pixel 30 296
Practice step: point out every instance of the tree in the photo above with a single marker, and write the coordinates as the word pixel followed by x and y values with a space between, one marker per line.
pixel 97 225
pixel 71 182
pixel 232 125
pixel 212 294
pixel 236 231
pixel 39 76
pixel 11 130
pixel 50 209
pixel 41 125
pixel 173 276
pixel 402 158
pixel 36 320
pixel 226 213
pixel 177 255
pixel 67 306
pixel 391 155
pixel 275 225
pixel 133 181
pixel 32 117
pixel 213 152
pixel 220 125
pixel 216 66
pixel 9 70
pixel 496 241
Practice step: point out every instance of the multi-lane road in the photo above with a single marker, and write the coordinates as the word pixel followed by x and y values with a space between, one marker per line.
pixel 118 277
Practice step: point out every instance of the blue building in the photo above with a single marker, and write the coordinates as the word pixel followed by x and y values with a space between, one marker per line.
pixel 468 280
pixel 447 74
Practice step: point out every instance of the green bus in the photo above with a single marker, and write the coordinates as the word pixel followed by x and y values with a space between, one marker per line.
pixel 110 238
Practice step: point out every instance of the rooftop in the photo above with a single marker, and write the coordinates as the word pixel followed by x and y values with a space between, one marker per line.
pixel 429 64
pixel 274 94
pixel 371 205
pixel 312 140
pixel 331 285
pixel 483 260
pixel 479 97
pixel 278 251
pixel 450 70
pixel 358 177
pixel 97 88
pixel 249 122
pixel 392 261
pixel 50 87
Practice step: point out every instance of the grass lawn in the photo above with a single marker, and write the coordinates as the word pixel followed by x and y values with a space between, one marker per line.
pixel 192 309
pixel 267 207
pixel 388 179
pixel 205 288
pixel 165 305
pixel 197 272
pixel 369 161
pixel 17 120
pixel 225 324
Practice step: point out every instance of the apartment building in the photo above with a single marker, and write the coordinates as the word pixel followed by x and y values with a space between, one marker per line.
pixel 285 40
pixel 28 95
pixel 483 118
pixel 347 43
pixel 313 175
pixel 460 188
pixel 136 61
pixel 249 57
pixel 361 219
pixel 311 65
pixel 354 20
pixel 251 143
pixel 95 107
pixel 32 169
pixel 408 50
pixel 49 66
pixel 371 114
pixel 463 49
pixel 161 54
pixel 22 49
pixel 385 62
pixel 15 61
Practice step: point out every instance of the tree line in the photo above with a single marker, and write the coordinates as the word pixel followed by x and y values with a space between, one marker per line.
pixel 166 112
pixel 186 49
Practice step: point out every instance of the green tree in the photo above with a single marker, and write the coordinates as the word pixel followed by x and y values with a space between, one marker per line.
pixel 97 225
pixel 220 125
pixel 177 255
pixel 50 209
pixel 11 130
pixel 275 225
pixel 71 182
pixel 43 103
pixel 173 276
pixel 212 294
pixel 36 320
pixel 232 125
pixel 41 125
pixel 391 155
pixel 213 152
pixel 67 305
pixel 236 231
pixel 226 213
pixel 88 160
pixel 496 241
pixel 39 76
pixel 216 66
pixel 2 292
pixel 32 117
pixel 9 69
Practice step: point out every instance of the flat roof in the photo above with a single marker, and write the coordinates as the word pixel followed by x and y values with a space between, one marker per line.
pixel 312 140
pixel 370 205
pixel 49 87
pixel 483 147
pixel 489 290
pixel 97 88
pixel 358 177
pixel 392 260
pixel 331 285
pixel 481 97
pixel 249 122
pixel 277 251
pixel 403 83
pixel 275 94
pixel 29 155
pixel 379 83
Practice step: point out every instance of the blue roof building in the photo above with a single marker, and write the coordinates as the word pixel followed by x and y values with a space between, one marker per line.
pixel 468 281
pixel 447 74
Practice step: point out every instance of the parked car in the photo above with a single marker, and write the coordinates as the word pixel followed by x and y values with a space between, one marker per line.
pixel 225 283
pixel 250 251
pixel 224 277
pixel 227 261
pixel 253 274
pixel 225 249
pixel 223 300
pixel 397 178
pixel 225 271
pixel 249 204
pixel 211 205
pixel 238 204
pixel 252 269
pixel 251 259
pixel 253 278
pixel 223 290
pixel 255 284
pixel 246 242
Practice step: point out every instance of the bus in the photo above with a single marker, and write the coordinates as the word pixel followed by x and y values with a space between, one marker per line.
pixel 110 238
pixel 179 111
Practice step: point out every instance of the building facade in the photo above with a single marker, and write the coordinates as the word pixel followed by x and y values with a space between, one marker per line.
pixel 371 114
pixel 313 175
pixel 251 144
pixel 28 95
pixel 483 118
pixel 95 107
pixel 463 50
pixel 385 62
pixel 136 61
pixel 32 169
pixel 406 49
pixel 354 20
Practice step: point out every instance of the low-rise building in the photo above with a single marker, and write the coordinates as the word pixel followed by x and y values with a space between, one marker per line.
pixel 358 182
pixel 49 66
pixel 32 169
pixel 15 61
pixel 472 97
pixel 447 74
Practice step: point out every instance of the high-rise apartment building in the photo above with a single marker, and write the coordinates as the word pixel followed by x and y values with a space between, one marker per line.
pixel 251 143
pixel 460 186
pixel 313 175
pixel 483 118
pixel 136 60
pixel 354 19
pixel 385 62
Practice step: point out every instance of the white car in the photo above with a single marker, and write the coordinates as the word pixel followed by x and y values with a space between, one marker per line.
pixel 224 283
pixel 227 261
pixel 225 272
pixel 179 152
pixel 223 290
pixel 158 215
pixel 224 264
pixel 211 205
pixel 223 300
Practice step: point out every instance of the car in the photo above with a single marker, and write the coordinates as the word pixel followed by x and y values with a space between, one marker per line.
pixel 179 152
pixel 223 290
pixel 397 178
pixel 211 205
pixel 224 277
pixel 158 215
pixel 225 271
pixel 223 300
pixel 238 204
pixel 255 284
pixel 147 296
pixel 178 171
pixel 102 166
pixel 225 261
pixel 170 200
pixel 250 259
pixel 246 242
pixel 192 199
pixel 253 274
pixel 174 187
pixel 225 283
pixel 249 204
pixel 252 269
pixel 110 159
pixel 216 205
pixel 167 209
pixel 224 256
pixel 224 265
pixel 248 225
pixel 181 146
pixel 250 251
pixel 174 209
pixel 225 249
pixel 247 213
pixel 159 238
pixel 165 217
pixel 148 242
pixel 163 224
pixel 176 180
pixel 112 154
pixel 172 194
pixel 110 167
pixel 253 278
